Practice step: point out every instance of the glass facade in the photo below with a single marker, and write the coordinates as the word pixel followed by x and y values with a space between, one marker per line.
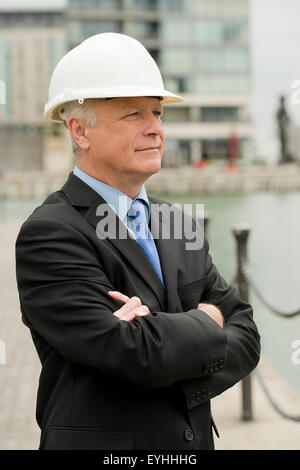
pixel 177 84
pixel 83 5
pixel 219 114
pixel 217 148
pixel 57 48
pixel 230 84
pixel 177 6
pixel 30 20
pixel 222 60
pixel 78 31
pixel 200 46
pixel 181 114
pixel 176 31
pixel 143 29
pixel 219 33
pixel 176 59
pixel 144 5
pixel 220 8
pixel 207 47
pixel 5 76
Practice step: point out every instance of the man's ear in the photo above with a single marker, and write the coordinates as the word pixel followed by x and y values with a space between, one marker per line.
pixel 78 129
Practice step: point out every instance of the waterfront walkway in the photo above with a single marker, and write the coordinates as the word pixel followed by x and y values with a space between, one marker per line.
pixel 19 381
pixel 212 179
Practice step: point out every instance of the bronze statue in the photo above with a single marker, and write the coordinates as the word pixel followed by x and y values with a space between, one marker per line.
pixel 283 122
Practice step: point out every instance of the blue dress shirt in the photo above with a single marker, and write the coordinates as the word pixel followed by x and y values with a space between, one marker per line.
pixel 118 201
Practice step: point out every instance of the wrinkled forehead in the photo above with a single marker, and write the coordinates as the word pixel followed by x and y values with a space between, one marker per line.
pixel 138 101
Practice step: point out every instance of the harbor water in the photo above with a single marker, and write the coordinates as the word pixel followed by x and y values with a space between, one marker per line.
pixel 273 254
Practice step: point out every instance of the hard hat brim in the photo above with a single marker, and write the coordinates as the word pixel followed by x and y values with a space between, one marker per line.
pixel 51 108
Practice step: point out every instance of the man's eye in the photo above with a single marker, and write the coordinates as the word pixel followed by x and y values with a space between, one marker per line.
pixel 132 114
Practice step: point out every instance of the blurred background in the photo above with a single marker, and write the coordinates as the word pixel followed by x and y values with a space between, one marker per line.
pixel 233 145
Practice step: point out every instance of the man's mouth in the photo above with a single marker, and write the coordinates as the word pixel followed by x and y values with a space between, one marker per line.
pixel 146 149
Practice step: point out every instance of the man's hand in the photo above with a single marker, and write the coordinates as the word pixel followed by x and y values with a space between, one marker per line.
pixel 133 306
pixel 214 313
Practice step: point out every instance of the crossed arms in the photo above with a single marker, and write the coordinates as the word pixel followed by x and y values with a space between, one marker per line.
pixel 133 308
pixel 64 300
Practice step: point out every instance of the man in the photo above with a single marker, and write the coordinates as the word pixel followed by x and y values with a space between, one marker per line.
pixel 135 333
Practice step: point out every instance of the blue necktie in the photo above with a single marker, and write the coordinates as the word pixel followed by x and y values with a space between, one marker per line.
pixel 138 222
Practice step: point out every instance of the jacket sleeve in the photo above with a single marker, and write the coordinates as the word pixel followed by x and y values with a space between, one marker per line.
pixel 63 297
pixel 242 351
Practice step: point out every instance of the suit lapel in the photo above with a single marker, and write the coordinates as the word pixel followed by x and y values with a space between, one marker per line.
pixel 80 194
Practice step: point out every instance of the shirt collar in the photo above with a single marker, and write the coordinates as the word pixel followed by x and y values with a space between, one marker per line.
pixel 118 201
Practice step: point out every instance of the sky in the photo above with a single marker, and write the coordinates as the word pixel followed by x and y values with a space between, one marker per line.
pixel 275 50
pixel 275 40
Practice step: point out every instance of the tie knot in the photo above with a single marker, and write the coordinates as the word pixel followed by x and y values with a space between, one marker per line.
pixel 137 210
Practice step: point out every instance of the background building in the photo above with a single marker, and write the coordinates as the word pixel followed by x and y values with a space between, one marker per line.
pixel 31 43
pixel 202 49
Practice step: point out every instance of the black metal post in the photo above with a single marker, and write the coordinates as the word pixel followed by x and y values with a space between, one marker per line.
pixel 241 233
pixel 205 222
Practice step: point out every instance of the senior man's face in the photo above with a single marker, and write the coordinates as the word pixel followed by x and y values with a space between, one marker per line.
pixel 129 139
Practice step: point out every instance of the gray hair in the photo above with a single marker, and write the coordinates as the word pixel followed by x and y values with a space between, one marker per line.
pixel 85 111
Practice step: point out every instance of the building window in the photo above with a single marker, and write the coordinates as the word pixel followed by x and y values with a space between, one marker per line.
pixel 176 60
pixel 221 59
pixel 94 4
pixel 235 32
pixel 219 114
pixel 217 148
pixel 154 54
pixel 143 29
pixel 175 31
pixel 222 84
pixel 174 6
pixel 145 5
pixel 208 32
pixel 80 30
pixel 214 33
pixel 178 114
pixel 221 9
pixel 176 84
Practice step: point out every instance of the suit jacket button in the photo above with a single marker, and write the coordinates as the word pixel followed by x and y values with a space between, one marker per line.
pixel 192 398
pixel 221 364
pixel 189 436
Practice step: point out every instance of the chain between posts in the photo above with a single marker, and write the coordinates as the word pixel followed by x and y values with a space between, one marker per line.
pixel 243 280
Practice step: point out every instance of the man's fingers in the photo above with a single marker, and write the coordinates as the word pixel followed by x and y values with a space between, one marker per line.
pixel 146 309
pixel 140 311
pixel 132 303
pixel 128 316
pixel 213 312
pixel 137 312
pixel 118 295
pixel 133 306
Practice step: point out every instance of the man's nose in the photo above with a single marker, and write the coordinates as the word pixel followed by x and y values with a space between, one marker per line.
pixel 153 125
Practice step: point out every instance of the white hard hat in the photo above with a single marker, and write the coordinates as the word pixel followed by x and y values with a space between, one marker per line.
pixel 107 65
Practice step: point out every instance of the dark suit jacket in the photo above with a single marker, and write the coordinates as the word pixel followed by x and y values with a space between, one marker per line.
pixel 111 384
